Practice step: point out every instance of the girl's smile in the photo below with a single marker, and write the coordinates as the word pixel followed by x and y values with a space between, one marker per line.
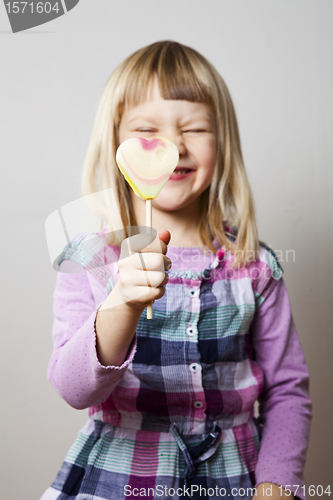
pixel 191 126
pixel 180 173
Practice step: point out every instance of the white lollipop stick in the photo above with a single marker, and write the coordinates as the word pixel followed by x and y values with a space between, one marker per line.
pixel 149 224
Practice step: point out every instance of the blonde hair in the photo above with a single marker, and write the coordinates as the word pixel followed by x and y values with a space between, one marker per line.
pixel 182 73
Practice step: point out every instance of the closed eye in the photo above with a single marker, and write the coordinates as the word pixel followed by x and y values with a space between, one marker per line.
pixel 196 131
pixel 148 130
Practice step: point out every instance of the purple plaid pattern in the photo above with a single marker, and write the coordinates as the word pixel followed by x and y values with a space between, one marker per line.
pixel 192 367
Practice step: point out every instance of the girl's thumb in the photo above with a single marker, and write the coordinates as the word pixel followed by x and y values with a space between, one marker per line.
pixel 164 236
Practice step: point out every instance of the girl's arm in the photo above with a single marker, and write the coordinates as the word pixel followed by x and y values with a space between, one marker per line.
pixel 93 332
pixel 285 407
pixel 75 371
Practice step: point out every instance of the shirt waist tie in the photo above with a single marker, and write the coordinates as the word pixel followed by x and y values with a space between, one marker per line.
pixel 198 453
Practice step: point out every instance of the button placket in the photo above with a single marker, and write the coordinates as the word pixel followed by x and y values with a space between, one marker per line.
pixel 194 292
pixel 194 367
pixel 190 331
pixel 194 296
pixel 196 372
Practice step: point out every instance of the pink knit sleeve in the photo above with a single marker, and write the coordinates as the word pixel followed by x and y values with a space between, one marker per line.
pixel 74 369
pixel 285 407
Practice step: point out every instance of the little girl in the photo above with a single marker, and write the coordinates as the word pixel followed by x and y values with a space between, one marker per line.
pixel 171 399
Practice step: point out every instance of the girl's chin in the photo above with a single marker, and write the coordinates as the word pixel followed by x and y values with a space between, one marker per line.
pixel 169 204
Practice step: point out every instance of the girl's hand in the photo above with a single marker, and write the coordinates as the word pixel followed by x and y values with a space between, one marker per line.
pixel 270 491
pixel 142 275
pixel 117 318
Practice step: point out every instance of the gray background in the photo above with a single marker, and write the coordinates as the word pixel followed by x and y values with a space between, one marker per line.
pixel 276 58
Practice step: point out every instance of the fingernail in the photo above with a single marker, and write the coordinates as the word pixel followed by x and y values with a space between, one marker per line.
pixel 169 265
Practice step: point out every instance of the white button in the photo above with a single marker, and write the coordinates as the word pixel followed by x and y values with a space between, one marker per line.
pixel 194 292
pixel 194 367
pixel 190 331
pixel 198 404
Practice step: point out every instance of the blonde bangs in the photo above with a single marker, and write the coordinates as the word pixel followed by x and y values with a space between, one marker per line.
pixel 178 70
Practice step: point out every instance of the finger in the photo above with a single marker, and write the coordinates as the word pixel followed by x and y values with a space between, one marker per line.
pixel 165 281
pixel 148 262
pixel 136 243
pixel 137 278
pixel 152 279
pixel 165 236
pixel 155 262
pixel 143 295
pixel 154 293
pixel 157 245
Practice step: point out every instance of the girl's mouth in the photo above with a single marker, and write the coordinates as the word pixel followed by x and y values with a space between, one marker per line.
pixel 180 173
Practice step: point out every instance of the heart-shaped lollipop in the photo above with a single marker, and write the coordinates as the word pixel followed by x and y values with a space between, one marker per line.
pixel 147 166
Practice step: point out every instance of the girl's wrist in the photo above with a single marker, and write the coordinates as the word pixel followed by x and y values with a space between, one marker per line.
pixel 115 327
pixel 116 301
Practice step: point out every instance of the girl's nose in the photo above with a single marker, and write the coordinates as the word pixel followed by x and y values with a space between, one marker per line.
pixel 178 140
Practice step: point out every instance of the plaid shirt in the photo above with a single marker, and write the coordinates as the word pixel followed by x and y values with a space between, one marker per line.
pixel 195 369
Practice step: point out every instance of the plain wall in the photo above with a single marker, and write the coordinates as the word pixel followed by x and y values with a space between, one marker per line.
pixel 276 58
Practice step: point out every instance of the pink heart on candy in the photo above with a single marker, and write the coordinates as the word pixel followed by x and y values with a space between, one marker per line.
pixel 147 164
